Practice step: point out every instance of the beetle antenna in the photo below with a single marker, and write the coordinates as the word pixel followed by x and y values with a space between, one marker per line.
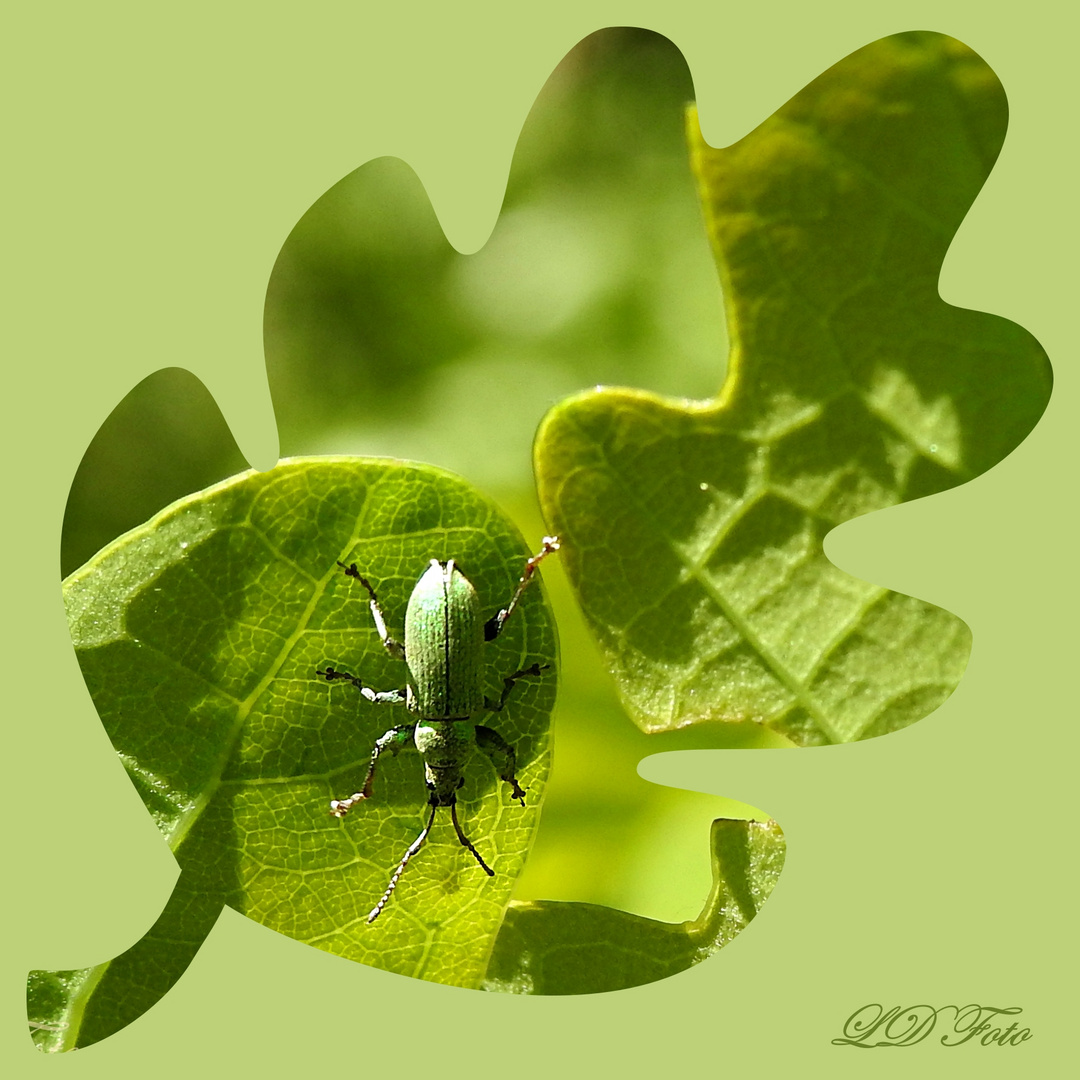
pixel 465 842
pixel 414 847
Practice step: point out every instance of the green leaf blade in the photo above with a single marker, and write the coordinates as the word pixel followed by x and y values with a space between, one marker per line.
pixel 693 530
pixel 549 947
pixel 199 636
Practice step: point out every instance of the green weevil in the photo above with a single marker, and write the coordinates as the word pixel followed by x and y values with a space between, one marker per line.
pixel 443 652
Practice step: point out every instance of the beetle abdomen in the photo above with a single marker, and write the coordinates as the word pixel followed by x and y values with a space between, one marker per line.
pixel 444 644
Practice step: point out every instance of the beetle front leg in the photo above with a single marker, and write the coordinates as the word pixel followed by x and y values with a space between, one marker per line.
pixel 392 646
pixel 394 740
pixel 502 756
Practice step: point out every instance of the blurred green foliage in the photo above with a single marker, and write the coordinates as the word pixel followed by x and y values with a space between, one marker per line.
pixel 381 339
pixel 693 531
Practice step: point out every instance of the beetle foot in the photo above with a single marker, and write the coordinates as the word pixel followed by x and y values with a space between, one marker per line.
pixel 340 807
pixel 330 674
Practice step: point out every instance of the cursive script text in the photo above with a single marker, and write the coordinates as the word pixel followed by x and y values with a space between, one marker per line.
pixel 873 1026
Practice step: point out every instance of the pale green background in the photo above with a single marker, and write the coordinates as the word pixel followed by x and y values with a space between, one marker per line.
pixel 157 159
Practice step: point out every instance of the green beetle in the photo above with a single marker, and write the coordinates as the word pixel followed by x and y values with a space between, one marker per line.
pixel 443 651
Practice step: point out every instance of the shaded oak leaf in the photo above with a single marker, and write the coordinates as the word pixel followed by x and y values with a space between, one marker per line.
pixel 694 530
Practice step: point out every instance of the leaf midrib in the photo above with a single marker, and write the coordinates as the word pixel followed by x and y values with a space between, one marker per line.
pixel 186 822
pixel 797 689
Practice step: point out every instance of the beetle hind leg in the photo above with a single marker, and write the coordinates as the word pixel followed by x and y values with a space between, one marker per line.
pixel 391 645
pixel 493 627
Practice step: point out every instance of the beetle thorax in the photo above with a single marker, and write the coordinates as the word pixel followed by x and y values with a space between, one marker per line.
pixel 445 746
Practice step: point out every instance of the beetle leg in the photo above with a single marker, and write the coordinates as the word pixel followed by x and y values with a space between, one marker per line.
pixel 383 697
pixel 502 757
pixel 413 848
pixel 508 684
pixel 393 740
pixel 465 842
pixel 493 627
pixel 330 674
pixel 392 646
pixel 386 697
